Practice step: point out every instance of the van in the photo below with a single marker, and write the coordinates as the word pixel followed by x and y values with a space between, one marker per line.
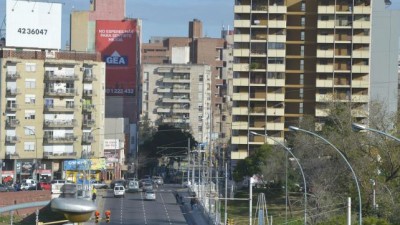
pixel 133 186
pixel 119 191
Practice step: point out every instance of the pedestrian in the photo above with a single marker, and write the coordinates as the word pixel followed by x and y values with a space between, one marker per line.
pixel 192 202
pixel 94 194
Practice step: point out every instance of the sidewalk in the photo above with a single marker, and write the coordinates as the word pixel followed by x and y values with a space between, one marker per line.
pixel 196 216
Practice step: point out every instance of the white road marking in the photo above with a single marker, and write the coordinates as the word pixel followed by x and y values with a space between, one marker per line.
pixel 144 211
pixel 165 208
pixel 122 209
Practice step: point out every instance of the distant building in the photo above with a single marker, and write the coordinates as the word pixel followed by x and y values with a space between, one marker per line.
pixel 180 95
pixel 52 111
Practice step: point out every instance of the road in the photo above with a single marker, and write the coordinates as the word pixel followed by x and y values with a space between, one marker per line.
pixel 134 209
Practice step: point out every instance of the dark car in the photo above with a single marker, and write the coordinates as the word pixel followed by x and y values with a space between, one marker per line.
pixel 6 188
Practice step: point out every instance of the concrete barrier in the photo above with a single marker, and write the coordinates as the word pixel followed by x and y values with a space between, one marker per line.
pixel 20 197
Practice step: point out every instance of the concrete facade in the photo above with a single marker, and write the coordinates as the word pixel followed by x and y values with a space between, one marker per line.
pixel 180 95
pixel 52 103
pixel 293 58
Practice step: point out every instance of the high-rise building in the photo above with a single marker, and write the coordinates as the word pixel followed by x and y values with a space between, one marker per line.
pixel 52 112
pixel 293 58
pixel 178 94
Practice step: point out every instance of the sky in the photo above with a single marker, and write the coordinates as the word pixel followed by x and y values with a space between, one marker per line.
pixel 165 17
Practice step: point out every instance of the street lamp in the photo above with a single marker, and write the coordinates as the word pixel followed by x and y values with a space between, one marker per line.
pixel 292 128
pixel 360 127
pixel 301 170
pixel 35 160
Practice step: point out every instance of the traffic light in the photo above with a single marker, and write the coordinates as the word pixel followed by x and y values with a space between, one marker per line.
pixel 97 216
pixel 108 215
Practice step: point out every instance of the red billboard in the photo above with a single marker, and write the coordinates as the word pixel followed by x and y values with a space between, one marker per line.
pixel 117 43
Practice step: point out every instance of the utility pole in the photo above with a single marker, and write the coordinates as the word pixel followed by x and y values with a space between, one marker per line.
pixel 188 163
pixel 226 193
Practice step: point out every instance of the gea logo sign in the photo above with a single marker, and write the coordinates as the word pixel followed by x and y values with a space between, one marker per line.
pixel 116 59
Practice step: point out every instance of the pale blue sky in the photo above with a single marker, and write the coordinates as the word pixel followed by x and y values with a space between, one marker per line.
pixel 166 17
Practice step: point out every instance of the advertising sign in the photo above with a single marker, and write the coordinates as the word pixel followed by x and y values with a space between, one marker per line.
pixel 111 144
pixel 117 43
pixel 32 24
pixel 83 164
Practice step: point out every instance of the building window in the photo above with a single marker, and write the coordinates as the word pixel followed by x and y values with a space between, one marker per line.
pixel 303 21
pixel 303 6
pixel 29 114
pixel 30 83
pixel 276 45
pixel 302 36
pixel 29 146
pixel 301 108
pixel 302 50
pixel 301 78
pixel 30 67
pixel 200 77
pixel 29 99
pixel 324 18
pixel 301 64
pixel 276 60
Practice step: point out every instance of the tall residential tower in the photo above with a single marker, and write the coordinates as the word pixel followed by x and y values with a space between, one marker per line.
pixel 293 58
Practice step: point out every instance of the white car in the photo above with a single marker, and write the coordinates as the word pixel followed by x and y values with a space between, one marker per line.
pixel 119 191
pixel 150 195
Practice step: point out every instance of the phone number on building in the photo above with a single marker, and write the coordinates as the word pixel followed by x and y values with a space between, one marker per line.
pixel 120 91
pixel 32 31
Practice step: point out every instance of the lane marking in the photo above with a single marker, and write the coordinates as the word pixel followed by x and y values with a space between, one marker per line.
pixel 122 209
pixel 144 211
pixel 165 208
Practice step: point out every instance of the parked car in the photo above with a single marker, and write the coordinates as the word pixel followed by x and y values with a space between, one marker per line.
pixel 119 191
pixel 44 186
pixel 150 195
pixel 6 188
pixel 29 182
pixel 99 185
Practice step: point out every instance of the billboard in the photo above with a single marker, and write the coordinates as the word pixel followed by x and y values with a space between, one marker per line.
pixel 117 43
pixel 32 24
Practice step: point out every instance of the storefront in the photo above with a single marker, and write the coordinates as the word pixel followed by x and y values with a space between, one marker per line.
pixel 84 169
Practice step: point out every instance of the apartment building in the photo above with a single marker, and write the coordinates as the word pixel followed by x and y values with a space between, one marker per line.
pixel 180 95
pixel 52 106
pixel 215 52
pixel 293 58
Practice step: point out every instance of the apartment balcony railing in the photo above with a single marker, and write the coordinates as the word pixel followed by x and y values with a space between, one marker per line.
pixel 12 123
pixel 12 107
pixel 12 91
pixel 59 155
pixel 89 78
pixel 59 140
pixel 89 123
pixel 52 108
pixel 176 80
pixel 12 139
pixel 88 108
pixel 12 75
pixel 56 92
pixel 50 76
pixel 87 139
pixel 57 123
pixel 12 155
pixel 88 93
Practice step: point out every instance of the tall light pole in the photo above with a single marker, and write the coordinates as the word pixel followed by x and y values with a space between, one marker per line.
pixel 35 160
pixel 292 128
pixel 301 170
pixel 360 127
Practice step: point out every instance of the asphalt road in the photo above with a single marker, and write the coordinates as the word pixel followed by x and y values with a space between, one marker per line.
pixel 134 209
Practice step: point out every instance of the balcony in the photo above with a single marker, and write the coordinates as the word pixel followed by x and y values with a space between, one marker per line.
pixel 280 9
pixel 240 125
pixel 163 90
pixel 59 124
pixel 362 24
pixel 67 139
pixel 88 108
pixel 360 69
pixel 176 80
pixel 241 23
pixel 237 140
pixel 59 155
pixel 362 54
pixel 164 110
pixel 242 38
pixel 325 38
pixel 88 139
pixel 324 68
pixel 275 126
pixel 277 52
pixel 277 23
pixel 12 75
pixel 12 92
pixel 324 53
pixel 322 112
pixel 60 92
pixel 241 67
pixel 180 110
pixel 12 139
pixel 176 120
pixel 360 39
pixel 240 82
pixel 360 83
pixel 257 111
pixel 242 9
pixel 12 123
pixel 240 97
pixel 326 24
pixel 12 107
pixel 180 90
pixel 275 97
pixel 50 76
pixel 89 123
pixel 89 78
pixel 241 53
pixel 276 38
pixel 276 67
pixel 12 155
pixel 239 154
pixel 240 111
pixel 275 112
pixel 275 82
pixel 360 98
pixel 324 97
pixel 88 93
pixel 52 108
pixel 176 100
pixel 322 9
pixel 324 83
pixel 362 9
pixel 359 113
